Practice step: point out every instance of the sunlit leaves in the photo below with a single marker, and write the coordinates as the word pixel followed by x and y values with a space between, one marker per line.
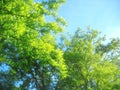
pixel 28 42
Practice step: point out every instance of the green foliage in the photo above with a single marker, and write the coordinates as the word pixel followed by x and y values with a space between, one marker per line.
pixel 26 42
pixel 90 66
pixel 28 46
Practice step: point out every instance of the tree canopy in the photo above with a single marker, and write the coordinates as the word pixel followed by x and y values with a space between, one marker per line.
pixel 27 42
pixel 31 58
pixel 91 63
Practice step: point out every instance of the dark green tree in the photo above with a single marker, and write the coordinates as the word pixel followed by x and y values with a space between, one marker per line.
pixel 90 62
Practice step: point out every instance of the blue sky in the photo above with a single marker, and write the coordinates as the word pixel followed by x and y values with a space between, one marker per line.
pixel 103 15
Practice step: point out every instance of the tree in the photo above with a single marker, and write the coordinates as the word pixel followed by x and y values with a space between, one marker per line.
pixel 27 42
pixel 90 62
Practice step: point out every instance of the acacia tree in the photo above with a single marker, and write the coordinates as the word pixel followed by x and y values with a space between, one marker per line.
pixel 91 63
pixel 27 42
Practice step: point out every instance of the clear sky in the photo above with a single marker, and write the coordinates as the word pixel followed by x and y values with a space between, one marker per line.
pixel 103 15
